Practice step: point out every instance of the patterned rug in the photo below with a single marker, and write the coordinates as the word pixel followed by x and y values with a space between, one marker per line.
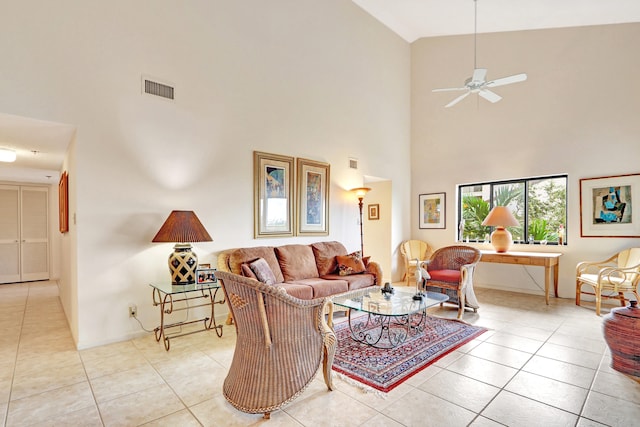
pixel 385 369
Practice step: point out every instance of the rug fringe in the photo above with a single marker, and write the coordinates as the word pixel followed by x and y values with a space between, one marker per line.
pixel 360 386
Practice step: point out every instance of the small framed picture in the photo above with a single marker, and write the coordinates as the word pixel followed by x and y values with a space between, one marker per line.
pixel 432 210
pixel 204 265
pixel 205 275
pixel 374 212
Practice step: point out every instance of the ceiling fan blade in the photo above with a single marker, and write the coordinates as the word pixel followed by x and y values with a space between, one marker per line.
pixel 449 89
pixel 458 99
pixel 507 80
pixel 489 96
pixel 479 75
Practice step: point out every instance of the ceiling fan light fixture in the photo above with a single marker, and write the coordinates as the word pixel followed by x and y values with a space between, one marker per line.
pixel 7 155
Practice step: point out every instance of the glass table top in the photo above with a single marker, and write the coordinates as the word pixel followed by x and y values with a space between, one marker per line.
pixel 400 303
pixel 168 288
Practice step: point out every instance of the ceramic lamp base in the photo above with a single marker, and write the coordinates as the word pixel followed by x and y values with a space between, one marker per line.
pixel 183 264
pixel 501 239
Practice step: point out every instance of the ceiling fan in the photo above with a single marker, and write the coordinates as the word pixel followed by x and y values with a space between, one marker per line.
pixel 478 83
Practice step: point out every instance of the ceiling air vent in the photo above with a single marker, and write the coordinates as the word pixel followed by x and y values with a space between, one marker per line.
pixel 156 88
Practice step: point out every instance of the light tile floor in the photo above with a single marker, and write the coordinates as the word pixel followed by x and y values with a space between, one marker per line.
pixel 538 366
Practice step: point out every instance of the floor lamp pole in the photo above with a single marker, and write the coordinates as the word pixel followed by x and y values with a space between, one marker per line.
pixel 360 204
pixel 360 192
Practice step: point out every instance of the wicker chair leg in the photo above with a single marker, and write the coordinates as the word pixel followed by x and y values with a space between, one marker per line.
pixel 327 362
pixel 578 292
pixel 267 415
pixel 461 303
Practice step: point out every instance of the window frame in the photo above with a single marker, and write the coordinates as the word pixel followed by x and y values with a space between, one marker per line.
pixel 525 226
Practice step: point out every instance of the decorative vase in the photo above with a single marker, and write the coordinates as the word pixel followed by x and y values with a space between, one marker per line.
pixel 622 334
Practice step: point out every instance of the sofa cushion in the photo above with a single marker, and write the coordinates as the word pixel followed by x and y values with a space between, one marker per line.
pixel 296 262
pixel 262 271
pixel 350 264
pixel 297 290
pixel 355 281
pixel 325 253
pixel 247 255
pixel 451 276
pixel 324 288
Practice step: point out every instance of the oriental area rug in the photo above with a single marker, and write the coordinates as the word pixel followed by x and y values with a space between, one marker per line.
pixel 384 369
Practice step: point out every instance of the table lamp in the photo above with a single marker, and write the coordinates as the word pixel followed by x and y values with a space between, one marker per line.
pixel 501 217
pixel 182 227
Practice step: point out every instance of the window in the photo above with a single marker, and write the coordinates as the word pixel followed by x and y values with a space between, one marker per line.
pixel 539 205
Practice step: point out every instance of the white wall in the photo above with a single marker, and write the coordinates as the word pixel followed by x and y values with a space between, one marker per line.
pixel 319 80
pixel 576 114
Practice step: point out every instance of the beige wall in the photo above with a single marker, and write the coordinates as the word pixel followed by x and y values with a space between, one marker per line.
pixel 576 114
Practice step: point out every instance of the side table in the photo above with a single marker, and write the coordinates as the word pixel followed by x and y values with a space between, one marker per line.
pixel 166 295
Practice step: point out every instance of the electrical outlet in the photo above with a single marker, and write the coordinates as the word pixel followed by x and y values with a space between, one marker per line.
pixel 133 310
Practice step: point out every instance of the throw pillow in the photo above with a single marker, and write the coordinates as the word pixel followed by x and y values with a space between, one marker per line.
pixel 350 264
pixel 247 271
pixel 263 272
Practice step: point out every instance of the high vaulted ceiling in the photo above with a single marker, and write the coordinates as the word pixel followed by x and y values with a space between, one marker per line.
pixel 414 19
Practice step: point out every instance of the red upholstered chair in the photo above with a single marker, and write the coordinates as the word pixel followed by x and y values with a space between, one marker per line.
pixel 451 269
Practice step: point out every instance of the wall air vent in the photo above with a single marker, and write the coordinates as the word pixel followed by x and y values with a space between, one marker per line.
pixel 152 87
pixel 353 163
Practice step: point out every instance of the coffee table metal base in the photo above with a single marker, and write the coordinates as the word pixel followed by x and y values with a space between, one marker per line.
pixel 380 331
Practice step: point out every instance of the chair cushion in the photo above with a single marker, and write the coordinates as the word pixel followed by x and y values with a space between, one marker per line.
pixel 451 276
pixel 350 264
pixel 263 272
pixel 296 262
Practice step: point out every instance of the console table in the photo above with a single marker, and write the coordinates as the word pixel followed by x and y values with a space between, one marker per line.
pixel 548 260
pixel 166 294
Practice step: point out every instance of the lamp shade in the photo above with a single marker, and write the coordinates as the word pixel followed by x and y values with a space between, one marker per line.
pixel 500 216
pixel 360 191
pixel 182 227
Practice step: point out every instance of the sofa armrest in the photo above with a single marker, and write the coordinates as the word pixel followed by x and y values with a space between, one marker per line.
pixel 374 268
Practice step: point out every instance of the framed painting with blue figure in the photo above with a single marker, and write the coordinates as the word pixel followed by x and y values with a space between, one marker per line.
pixel 313 198
pixel 607 208
pixel 273 190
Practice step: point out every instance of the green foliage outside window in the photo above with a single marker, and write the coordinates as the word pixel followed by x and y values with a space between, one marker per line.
pixel 540 213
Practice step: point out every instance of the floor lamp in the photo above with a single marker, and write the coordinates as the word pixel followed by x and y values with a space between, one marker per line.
pixel 360 192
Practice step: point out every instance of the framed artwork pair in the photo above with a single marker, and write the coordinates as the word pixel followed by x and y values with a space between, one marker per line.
pixel 291 196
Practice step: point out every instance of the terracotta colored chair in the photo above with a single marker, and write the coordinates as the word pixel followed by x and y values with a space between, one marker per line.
pixel 281 342
pixel 410 251
pixel 451 269
pixel 616 275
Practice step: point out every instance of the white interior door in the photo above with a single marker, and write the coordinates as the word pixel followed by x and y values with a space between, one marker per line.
pixel 9 234
pixel 34 243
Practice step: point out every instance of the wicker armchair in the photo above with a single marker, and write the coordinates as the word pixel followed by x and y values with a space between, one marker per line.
pixel 617 275
pixel 412 250
pixel 451 269
pixel 281 341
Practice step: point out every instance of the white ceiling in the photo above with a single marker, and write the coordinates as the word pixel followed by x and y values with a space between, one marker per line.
pixel 40 147
pixel 414 19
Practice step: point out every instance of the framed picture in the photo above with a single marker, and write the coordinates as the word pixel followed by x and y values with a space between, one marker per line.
pixel 606 206
pixel 374 212
pixel 206 275
pixel 432 212
pixel 63 202
pixel 273 195
pixel 204 265
pixel 313 198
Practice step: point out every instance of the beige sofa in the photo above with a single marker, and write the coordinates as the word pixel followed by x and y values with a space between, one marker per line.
pixel 304 271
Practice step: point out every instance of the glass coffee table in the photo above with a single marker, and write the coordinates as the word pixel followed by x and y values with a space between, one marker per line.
pixel 389 318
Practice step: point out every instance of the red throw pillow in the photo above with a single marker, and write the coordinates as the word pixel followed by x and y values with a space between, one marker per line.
pixel 350 264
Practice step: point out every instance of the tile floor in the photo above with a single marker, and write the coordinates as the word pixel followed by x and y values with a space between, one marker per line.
pixel 537 366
